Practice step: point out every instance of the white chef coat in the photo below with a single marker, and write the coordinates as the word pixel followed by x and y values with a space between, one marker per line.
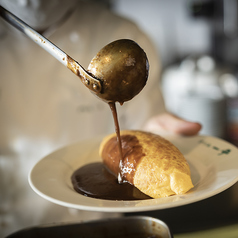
pixel 45 106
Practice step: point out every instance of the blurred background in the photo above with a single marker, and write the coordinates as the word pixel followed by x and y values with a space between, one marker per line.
pixel 197 41
pixel 198 46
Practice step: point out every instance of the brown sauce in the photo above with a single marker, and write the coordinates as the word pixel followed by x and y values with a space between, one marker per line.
pixel 94 180
pixel 112 106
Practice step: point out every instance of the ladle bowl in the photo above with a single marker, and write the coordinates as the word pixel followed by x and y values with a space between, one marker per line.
pixel 122 67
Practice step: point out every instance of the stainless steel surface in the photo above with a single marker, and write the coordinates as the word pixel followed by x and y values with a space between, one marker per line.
pixel 130 227
pixel 89 81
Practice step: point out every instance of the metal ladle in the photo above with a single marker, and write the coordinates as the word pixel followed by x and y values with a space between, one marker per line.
pixel 116 74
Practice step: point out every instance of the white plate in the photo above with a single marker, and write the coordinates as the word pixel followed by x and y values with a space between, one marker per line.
pixel 213 163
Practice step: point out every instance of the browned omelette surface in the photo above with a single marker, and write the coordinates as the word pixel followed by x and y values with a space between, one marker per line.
pixel 151 163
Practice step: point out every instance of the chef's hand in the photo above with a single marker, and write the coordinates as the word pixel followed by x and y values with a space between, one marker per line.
pixel 168 123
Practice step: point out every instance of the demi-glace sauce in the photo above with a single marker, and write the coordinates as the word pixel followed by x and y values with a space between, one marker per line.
pixel 94 180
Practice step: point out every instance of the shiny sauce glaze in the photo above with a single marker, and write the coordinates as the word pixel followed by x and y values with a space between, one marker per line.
pixel 132 154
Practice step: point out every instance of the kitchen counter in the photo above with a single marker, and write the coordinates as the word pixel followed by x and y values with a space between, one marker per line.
pixel 215 215
pixel 229 231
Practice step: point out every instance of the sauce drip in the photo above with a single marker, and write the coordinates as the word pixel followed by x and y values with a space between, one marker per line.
pixel 95 180
pixel 112 106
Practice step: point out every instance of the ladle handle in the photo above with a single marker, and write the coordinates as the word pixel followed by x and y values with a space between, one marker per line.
pixel 89 81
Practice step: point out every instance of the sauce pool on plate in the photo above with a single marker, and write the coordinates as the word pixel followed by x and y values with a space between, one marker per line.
pixel 94 180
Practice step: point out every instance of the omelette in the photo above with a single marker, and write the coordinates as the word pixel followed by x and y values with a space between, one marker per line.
pixel 149 162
